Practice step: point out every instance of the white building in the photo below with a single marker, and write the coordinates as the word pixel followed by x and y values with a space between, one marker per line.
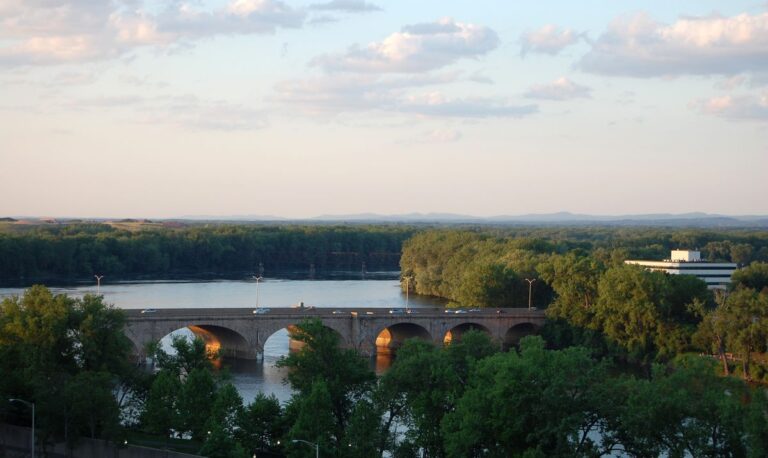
pixel 717 275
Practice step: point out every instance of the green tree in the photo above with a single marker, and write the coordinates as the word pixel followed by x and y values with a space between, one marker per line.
pixel 160 415
pixel 345 374
pixel 535 403
pixel 314 421
pixel 194 402
pixel 260 423
pixel 754 276
pixel 425 379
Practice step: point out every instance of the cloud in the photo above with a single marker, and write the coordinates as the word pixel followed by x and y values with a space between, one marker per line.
pixel 416 48
pixel 549 39
pixel 443 136
pixel 44 32
pixel 560 89
pixel 347 6
pixel 738 108
pixel 436 104
pixel 639 46
pixel 187 111
pixel 360 93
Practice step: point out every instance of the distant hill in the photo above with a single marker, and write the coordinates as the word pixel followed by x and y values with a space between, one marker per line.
pixel 694 219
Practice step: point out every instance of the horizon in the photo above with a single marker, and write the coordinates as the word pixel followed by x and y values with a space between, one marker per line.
pixel 405 217
pixel 295 108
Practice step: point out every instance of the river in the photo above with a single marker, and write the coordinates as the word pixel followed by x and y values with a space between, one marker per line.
pixel 249 377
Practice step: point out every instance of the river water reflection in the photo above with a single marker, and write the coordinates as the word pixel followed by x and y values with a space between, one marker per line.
pixel 252 377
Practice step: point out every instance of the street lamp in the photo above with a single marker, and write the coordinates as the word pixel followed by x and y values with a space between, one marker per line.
pixel 312 444
pixel 98 283
pixel 530 287
pixel 32 405
pixel 258 279
pixel 407 290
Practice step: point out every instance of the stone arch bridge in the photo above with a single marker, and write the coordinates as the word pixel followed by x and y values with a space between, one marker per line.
pixel 241 333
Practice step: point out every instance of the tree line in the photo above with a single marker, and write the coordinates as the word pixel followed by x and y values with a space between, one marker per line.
pixel 595 300
pixel 78 251
pixel 467 399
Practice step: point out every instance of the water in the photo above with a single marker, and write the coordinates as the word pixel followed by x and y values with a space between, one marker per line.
pixel 250 377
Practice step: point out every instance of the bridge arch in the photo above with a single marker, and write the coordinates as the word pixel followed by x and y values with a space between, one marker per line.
pixel 228 342
pixel 454 334
pixel 274 340
pixel 517 332
pixel 389 339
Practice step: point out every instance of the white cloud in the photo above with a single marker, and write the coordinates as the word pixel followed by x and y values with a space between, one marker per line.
pixel 416 48
pixel 61 31
pixel 549 39
pixel 737 108
pixel 640 46
pixel 560 89
pixel 347 6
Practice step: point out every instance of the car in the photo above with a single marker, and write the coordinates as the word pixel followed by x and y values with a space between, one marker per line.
pixel 475 310
pixel 149 311
pixel 396 311
pixel 337 312
pixel 369 313
pixel 460 311
pixel 411 311
pixel 260 310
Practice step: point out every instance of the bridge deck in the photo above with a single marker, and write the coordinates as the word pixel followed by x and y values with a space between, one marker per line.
pixel 274 312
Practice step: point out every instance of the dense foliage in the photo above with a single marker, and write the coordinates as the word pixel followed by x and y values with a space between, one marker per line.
pixel 593 299
pixel 464 400
pixel 69 357
pixel 82 250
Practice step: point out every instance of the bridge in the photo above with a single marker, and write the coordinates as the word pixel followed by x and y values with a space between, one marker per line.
pixel 241 333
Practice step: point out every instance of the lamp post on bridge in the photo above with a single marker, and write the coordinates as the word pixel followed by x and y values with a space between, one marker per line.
pixel 258 279
pixel 530 288
pixel 31 405
pixel 98 283
pixel 407 291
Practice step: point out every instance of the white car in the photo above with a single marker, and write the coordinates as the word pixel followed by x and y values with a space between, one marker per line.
pixel 260 311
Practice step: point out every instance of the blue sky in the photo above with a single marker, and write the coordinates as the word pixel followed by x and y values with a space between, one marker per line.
pixel 299 108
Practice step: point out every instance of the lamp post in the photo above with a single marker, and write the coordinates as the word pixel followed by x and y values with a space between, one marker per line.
pixel 258 279
pixel 312 444
pixel 530 287
pixel 31 405
pixel 407 291
pixel 98 283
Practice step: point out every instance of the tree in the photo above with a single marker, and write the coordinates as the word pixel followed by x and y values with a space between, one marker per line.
pixel 535 403
pixel 226 409
pixel 685 411
pixel 194 402
pixel 745 315
pixel 314 420
pixel 575 279
pixel 260 423
pixel 754 276
pixel 345 374
pixel 160 415
pixel 423 376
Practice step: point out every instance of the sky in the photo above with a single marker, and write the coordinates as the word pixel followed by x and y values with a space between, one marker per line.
pixel 299 108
